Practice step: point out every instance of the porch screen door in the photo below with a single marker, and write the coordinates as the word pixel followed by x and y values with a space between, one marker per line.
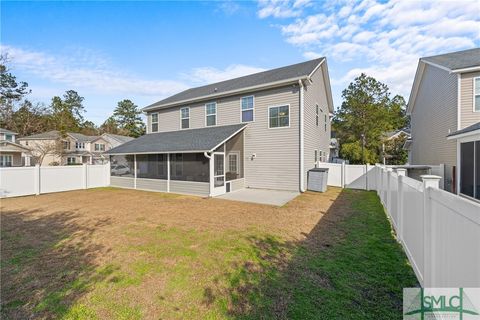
pixel 218 174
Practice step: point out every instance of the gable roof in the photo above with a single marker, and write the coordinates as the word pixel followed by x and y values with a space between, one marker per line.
pixel 54 134
pixel 3 143
pixel 291 73
pixel 182 141
pixel 456 61
pixel 453 62
pixel 2 130
pixel 468 130
pixel 80 137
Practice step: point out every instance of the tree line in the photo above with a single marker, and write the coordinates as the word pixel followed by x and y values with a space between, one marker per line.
pixel 367 113
pixel 64 113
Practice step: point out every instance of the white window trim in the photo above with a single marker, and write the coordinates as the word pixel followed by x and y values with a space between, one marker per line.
pixel 151 122
pixel 99 148
pixel 317 115
pixel 185 118
pixel 475 94
pixel 253 109
pixel 277 106
pixel 237 153
pixel 216 114
pixel 74 160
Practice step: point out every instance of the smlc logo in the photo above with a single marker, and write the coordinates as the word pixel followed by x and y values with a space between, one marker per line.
pixel 441 303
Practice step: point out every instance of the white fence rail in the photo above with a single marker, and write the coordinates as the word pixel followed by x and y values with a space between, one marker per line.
pixel 23 181
pixel 439 231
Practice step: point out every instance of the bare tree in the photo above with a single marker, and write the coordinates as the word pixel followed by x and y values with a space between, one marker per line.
pixel 43 148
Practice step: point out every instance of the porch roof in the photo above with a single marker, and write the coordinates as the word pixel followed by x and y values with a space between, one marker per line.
pixel 181 141
pixel 473 129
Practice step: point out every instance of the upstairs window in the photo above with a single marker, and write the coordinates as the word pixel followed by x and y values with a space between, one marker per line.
pixel 185 117
pixel 279 116
pixel 211 114
pixel 154 122
pixel 9 137
pixel 66 145
pixel 316 114
pixel 79 145
pixel 325 122
pixel 247 109
pixel 476 102
pixel 99 147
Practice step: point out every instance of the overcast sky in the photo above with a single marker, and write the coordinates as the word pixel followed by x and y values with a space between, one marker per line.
pixel 146 51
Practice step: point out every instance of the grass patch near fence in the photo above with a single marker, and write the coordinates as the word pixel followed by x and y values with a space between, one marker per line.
pixel 179 260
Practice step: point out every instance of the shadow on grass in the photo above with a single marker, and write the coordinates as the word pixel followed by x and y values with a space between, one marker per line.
pixel 348 267
pixel 46 264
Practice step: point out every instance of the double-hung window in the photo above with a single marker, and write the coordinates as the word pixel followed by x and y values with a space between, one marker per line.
pixel 8 137
pixel 66 145
pixel 5 160
pixel 316 114
pixel 71 160
pixel 154 122
pixel 247 109
pixel 211 114
pixel 279 116
pixel 476 98
pixel 185 117
pixel 80 145
pixel 99 147
pixel 233 162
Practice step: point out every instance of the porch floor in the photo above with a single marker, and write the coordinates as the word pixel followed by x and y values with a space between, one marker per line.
pixel 261 196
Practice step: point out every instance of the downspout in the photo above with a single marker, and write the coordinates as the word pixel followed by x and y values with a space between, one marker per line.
pixel 302 156
pixel 210 166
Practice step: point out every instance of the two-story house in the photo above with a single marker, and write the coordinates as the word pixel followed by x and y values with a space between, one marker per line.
pixel 71 148
pixel 12 154
pixel 444 105
pixel 264 130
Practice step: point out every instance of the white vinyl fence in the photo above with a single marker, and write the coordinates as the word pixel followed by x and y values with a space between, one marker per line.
pixel 23 181
pixel 439 231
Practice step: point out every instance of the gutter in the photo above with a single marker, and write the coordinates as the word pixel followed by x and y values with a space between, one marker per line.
pixel 302 156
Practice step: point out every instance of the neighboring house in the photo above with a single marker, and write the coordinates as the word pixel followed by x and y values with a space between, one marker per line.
pixel 12 154
pixel 71 148
pixel 393 135
pixel 264 130
pixel 445 98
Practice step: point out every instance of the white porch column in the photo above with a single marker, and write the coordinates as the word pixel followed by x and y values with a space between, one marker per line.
pixel 135 171
pixel 168 172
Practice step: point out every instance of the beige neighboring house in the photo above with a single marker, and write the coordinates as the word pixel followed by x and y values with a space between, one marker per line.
pixel 445 99
pixel 12 154
pixel 71 148
pixel 264 130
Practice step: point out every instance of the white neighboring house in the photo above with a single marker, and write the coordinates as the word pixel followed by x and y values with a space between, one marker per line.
pixel 12 154
pixel 445 99
pixel 72 148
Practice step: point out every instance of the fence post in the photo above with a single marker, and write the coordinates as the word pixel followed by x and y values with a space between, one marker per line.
pixel 389 196
pixel 84 176
pixel 401 174
pixel 429 181
pixel 36 179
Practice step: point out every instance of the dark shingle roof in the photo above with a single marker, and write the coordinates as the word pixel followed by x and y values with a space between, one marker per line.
pixel 265 77
pixel 457 60
pixel 80 137
pixel 204 139
pixel 471 128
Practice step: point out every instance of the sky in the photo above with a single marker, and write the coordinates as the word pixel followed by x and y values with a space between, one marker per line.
pixel 147 50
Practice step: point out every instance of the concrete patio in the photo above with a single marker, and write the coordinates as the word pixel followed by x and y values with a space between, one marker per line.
pixel 261 196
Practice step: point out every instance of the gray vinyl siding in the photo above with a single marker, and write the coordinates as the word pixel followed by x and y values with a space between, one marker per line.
pixel 152 184
pixel 434 116
pixel 276 165
pixel 467 115
pixel 237 184
pixel 190 187
pixel 122 182
pixel 316 138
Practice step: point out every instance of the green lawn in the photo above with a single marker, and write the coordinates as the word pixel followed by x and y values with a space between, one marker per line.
pixel 349 266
